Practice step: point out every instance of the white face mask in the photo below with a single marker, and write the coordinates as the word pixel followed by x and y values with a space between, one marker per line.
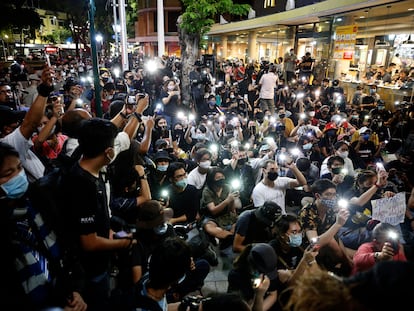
pixel 312 114
pixel 343 154
pixel 205 164
pixel 171 87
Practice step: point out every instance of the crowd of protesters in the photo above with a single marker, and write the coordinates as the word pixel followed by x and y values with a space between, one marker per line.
pixel 260 161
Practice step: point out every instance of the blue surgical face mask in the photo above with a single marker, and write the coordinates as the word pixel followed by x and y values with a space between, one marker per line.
pixel 162 168
pixel 182 183
pixel 295 240
pixel 161 229
pixel 17 186
pixel 329 203
pixel 366 136
pixel 307 146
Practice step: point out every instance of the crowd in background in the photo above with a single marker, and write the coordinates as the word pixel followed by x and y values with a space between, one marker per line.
pixel 260 161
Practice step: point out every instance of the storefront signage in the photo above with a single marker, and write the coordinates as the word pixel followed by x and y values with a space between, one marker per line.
pixel 345 39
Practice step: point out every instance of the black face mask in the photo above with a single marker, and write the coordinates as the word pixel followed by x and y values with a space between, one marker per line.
pixel 336 170
pixel 272 176
pixel 104 80
pixel 282 115
pixel 220 183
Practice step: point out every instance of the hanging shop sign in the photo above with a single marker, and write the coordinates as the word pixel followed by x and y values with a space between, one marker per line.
pixel 345 39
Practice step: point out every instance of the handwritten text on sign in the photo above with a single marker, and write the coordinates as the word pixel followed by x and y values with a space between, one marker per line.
pixel 390 210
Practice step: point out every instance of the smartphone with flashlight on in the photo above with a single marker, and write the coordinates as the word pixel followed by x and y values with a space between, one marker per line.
pixel 257 280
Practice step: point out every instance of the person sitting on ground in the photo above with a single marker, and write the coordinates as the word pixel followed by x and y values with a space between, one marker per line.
pixel 321 222
pixel 256 225
pixel 254 265
pixel 385 246
pixel 217 207
pixel 184 199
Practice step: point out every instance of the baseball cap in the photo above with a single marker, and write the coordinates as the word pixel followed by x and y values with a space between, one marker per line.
pixel 263 257
pixel 269 213
pixel 8 115
pixel 151 214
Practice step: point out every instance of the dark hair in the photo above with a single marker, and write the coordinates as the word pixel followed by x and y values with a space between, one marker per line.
pixel 169 261
pixel 339 144
pixel 7 150
pixel 282 226
pixel 109 86
pixel 332 159
pixel 211 175
pixel 71 121
pixel 303 164
pixel 267 162
pixel 362 176
pixel 381 231
pixel 201 153
pixel 173 167
pixel 321 185
pixel 95 136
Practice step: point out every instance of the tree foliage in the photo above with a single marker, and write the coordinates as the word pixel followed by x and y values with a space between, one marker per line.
pixel 195 22
pixel 17 17
pixel 200 15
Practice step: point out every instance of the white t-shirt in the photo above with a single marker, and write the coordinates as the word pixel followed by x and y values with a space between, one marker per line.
pixel 196 179
pixel 268 84
pixel 33 167
pixel 349 166
pixel 262 193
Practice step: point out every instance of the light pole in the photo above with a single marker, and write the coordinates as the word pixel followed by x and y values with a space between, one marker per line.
pixel 95 69
pixel 124 46
pixel 116 26
pixel 117 30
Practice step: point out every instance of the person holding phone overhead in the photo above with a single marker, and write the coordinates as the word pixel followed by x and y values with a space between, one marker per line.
pixel 273 187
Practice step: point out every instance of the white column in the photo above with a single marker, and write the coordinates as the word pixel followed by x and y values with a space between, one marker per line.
pixel 124 46
pixel 160 27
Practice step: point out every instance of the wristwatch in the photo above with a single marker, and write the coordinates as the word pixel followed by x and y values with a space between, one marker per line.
pixel 376 256
pixel 143 176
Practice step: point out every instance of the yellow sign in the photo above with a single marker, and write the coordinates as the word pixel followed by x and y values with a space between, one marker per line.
pixel 345 38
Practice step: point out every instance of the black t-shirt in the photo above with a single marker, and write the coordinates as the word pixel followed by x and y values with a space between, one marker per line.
pixel 185 203
pixel 252 229
pixel 88 213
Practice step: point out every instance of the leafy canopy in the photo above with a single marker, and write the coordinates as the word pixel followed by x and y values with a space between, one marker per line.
pixel 199 15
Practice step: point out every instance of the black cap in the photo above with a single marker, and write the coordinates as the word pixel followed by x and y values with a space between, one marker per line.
pixel 269 213
pixel 161 155
pixel 8 115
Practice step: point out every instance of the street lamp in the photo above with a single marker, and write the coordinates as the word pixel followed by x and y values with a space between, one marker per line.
pixel 99 39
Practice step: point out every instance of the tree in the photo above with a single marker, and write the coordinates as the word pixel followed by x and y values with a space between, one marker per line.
pixel 19 18
pixel 195 22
